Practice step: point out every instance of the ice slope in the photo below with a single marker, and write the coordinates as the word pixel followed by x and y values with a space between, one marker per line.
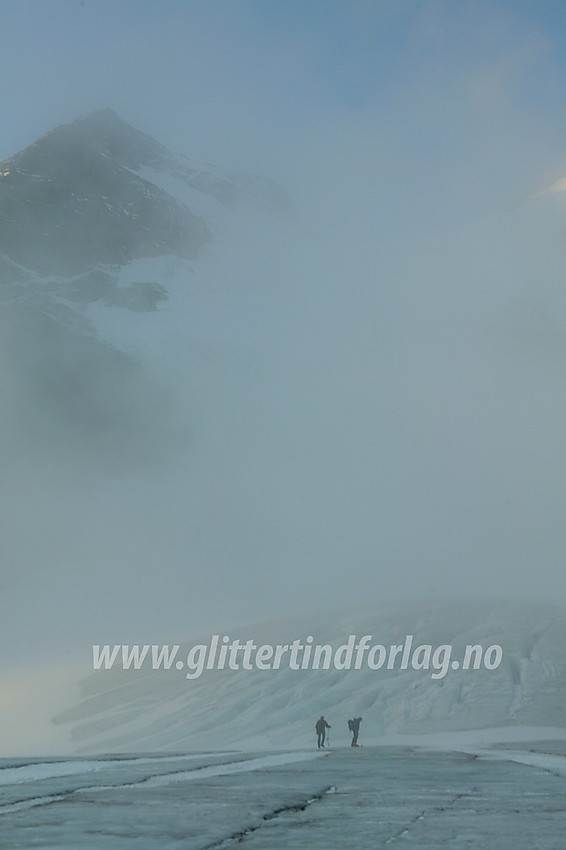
pixel 162 710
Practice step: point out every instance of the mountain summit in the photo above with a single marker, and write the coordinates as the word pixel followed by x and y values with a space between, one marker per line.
pixel 73 200
pixel 84 195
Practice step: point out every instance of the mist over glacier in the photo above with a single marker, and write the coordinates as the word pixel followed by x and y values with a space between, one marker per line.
pixel 362 416
pixel 361 399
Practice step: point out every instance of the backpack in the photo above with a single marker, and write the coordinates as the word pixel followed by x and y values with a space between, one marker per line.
pixel 350 726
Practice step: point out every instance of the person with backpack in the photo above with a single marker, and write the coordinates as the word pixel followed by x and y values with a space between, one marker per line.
pixel 321 726
pixel 354 727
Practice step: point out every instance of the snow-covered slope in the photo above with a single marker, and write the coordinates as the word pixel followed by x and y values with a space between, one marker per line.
pixel 162 710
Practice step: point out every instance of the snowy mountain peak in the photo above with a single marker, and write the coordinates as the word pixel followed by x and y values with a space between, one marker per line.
pixel 90 214
pixel 71 201
pixel 90 193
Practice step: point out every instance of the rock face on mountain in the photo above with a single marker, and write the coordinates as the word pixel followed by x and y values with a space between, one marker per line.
pixel 71 202
pixel 76 207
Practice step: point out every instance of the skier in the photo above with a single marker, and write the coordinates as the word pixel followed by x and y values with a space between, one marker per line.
pixel 354 727
pixel 321 726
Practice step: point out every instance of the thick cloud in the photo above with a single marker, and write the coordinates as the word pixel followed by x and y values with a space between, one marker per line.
pixel 374 389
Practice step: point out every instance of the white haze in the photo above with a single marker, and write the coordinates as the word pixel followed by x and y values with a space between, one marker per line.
pixel 373 391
